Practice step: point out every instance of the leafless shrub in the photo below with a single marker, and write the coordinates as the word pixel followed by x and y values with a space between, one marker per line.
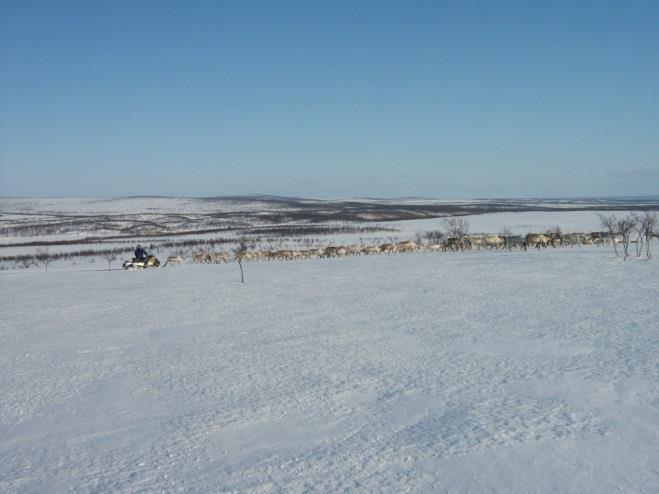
pixel 457 228
pixel 42 257
pixel 610 224
pixel 625 227
pixel 646 227
pixel 434 236
pixel 239 253
pixel 109 257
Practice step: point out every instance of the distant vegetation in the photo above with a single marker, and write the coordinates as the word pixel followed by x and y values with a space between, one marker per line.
pixel 275 223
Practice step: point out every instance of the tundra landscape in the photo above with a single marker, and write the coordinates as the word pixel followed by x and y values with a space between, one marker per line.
pixel 329 247
pixel 387 354
pixel 80 231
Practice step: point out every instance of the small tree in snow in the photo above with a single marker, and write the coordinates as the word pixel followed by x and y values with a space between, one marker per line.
pixel 239 253
pixel 506 232
pixel 647 225
pixel 457 228
pixel 625 228
pixel 434 236
pixel 109 257
pixel 42 257
pixel 556 236
pixel 610 224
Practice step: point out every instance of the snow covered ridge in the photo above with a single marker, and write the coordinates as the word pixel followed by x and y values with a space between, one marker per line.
pixel 162 215
pixel 469 372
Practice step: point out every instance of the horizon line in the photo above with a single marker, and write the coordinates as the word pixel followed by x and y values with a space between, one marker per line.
pixel 652 197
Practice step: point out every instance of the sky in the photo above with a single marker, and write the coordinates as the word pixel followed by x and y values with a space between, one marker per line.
pixel 329 99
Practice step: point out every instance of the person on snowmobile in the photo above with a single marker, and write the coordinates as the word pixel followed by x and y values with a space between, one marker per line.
pixel 140 253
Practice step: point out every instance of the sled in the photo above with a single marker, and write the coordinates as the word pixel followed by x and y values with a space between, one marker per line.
pixel 137 263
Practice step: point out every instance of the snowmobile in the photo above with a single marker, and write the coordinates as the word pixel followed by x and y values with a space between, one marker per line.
pixel 138 263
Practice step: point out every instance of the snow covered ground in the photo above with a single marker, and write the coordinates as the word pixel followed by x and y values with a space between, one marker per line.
pixel 469 372
pixel 77 232
pixel 517 223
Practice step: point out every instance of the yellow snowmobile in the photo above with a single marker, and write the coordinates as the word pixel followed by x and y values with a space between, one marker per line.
pixel 142 263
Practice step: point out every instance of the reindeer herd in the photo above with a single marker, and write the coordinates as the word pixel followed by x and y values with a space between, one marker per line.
pixel 452 244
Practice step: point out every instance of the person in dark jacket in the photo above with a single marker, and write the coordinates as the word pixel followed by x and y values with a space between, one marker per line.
pixel 140 253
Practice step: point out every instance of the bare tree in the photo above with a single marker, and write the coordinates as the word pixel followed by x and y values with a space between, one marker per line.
pixel 506 232
pixel 647 225
pixel 434 236
pixel 109 257
pixel 42 257
pixel 625 228
pixel 638 230
pixel 610 224
pixel 457 228
pixel 556 236
pixel 418 239
pixel 239 253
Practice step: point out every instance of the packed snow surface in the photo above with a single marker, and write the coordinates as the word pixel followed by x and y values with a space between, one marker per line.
pixel 474 372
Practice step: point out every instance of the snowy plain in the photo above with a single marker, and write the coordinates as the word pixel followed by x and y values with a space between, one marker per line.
pixel 465 372
pixel 519 223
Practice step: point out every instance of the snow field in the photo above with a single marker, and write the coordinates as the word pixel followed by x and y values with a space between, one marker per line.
pixel 517 223
pixel 478 372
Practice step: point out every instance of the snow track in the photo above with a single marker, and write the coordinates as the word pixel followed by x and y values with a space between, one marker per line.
pixel 479 372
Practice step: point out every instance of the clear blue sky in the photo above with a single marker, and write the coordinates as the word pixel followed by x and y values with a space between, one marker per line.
pixel 329 99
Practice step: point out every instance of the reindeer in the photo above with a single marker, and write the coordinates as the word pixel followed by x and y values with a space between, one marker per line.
pixel 407 246
pixel 370 249
pixel 331 251
pixel 354 250
pixel 173 260
pixel 202 258
pixel 476 241
pixel 244 256
pixel 556 239
pixel 511 241
pixel 453 244
pixel 388 248
pixel 334 251
pixel 537 240
pixel 218 257
pixel 306 254
pixel 493 242
pixel 284 255
pixel 599 238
